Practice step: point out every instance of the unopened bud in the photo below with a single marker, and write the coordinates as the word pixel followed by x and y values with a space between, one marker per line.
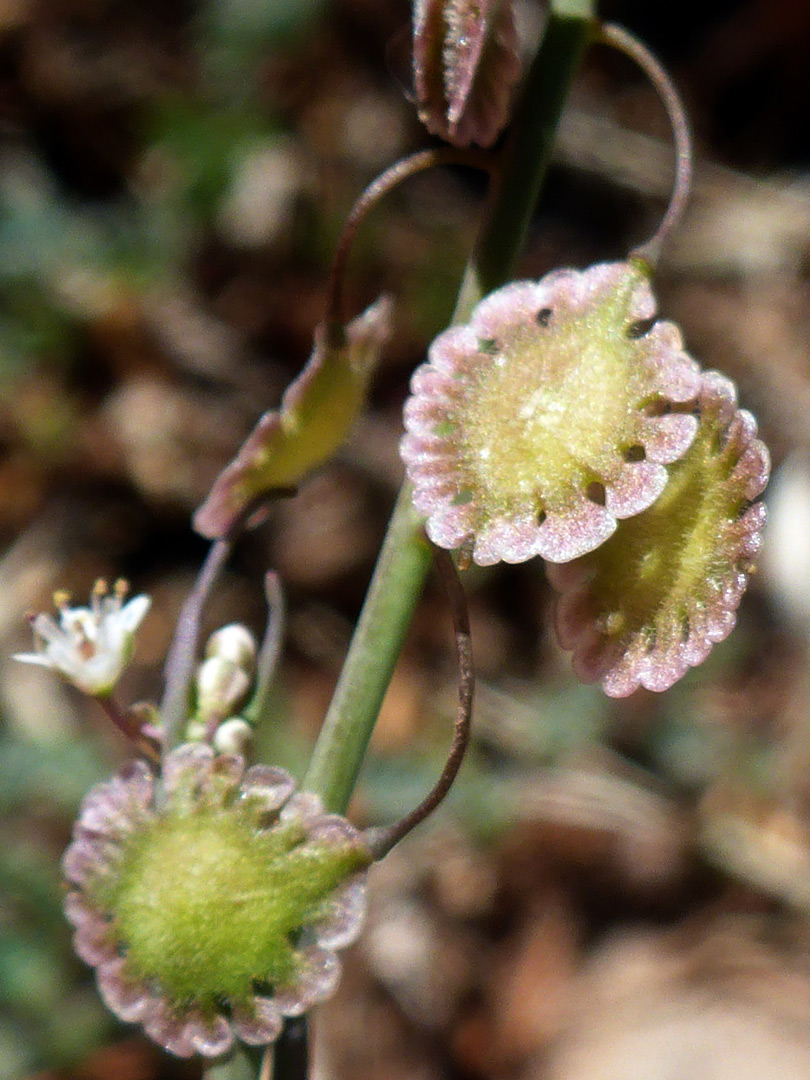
pixel 221 686
pixel 234 643
pixel 233 736
pixel 195 731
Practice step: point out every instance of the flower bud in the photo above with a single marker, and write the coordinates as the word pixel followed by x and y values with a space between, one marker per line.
pixel 465 66
pixel 221 686
pixel 233 736
pixel 234 643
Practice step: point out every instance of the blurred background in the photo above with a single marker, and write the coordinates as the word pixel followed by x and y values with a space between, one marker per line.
pixel 616 889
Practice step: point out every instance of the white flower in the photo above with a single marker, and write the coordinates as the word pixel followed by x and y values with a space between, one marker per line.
pixel 89 646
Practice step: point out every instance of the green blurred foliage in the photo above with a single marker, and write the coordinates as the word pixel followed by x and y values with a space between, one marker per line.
pixel 50 1014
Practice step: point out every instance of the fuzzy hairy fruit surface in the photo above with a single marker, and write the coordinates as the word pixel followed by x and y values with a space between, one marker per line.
pixel 211 900
pixel 535 427
pixel 206 904
pixel 654 599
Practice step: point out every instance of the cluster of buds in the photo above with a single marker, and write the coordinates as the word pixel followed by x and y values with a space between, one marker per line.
pixel 221 685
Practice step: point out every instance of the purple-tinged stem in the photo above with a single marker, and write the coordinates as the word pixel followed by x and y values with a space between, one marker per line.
pixel 619 38
pixel 179 669
pixel 377 189
pixel 382 840
pixel 129 727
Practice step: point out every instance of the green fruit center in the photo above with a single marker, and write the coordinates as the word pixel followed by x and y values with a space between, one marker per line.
pixel 209 906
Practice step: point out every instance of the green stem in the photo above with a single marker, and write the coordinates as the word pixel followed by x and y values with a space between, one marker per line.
pixel 243 1063
pixel 405 557
pixel 395 588
pixel 527 153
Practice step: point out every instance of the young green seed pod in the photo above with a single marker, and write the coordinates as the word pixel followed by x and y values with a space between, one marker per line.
pixel 651 602
pixel 538 425
pixel 215 911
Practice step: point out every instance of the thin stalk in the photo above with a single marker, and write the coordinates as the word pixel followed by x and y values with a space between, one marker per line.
pixel 266 1070
pixel 395 588
pixel 180 662
pixel 377 189
pixel 289 1053
pixel 380 841
pixel 619 38
pixel 129 727
pixel 527 152
pixel 267 660
pixel 404 559
pixel 243 1063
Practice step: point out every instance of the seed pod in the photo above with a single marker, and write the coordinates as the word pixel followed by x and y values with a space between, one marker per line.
pixel 653 600
pixel 316 413
pixel 465 66
pixel 536 426
pixel 216 912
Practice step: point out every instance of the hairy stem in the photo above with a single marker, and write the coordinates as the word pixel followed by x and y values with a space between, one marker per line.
pixel 404 559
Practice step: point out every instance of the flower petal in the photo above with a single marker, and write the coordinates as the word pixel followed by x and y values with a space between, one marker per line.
pixel 258 1025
